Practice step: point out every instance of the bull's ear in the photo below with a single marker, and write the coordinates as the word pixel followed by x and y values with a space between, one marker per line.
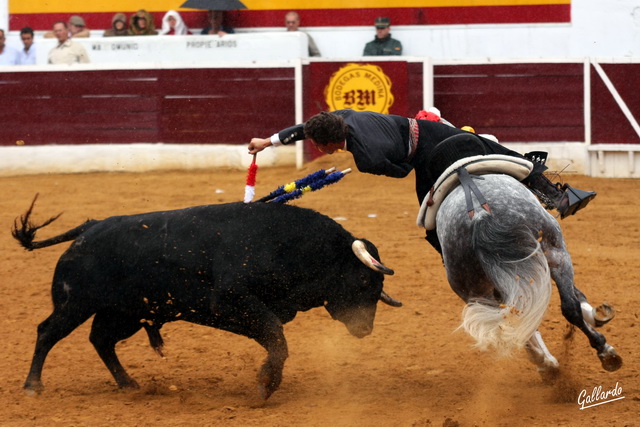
pixel 360 250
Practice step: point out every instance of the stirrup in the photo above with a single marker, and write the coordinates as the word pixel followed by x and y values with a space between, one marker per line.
pixel 573 200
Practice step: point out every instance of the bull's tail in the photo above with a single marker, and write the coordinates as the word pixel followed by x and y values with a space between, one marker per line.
pixel 24 231
pixel 514 261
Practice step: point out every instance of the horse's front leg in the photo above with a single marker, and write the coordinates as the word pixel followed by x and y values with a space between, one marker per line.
pixel 572 307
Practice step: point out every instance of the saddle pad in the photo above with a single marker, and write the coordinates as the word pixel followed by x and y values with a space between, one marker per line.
pixel 476 165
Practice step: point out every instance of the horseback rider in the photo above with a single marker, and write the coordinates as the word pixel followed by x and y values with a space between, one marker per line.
pixel 391 145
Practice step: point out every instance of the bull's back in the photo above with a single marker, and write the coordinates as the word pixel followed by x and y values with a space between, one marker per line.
pixel 205 244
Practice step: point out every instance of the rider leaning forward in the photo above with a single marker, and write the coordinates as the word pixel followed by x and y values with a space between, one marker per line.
pixel 390 145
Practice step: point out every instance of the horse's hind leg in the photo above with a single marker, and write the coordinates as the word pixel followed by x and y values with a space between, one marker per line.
pixel 598 316
pixel 539 355
pixel 572 300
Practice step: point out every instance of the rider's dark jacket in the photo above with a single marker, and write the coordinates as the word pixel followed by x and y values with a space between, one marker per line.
pixel 380 144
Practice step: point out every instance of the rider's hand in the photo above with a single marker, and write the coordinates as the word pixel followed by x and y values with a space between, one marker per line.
pixel 258 144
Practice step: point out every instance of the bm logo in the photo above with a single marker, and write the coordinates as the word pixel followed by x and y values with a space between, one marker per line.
pixel 359 87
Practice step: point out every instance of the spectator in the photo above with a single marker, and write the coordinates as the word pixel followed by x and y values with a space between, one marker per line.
pixel 77 27
pixel 216 24
pixel 8 55
pixel 383 44
pixel 292 21
pixel 118 26
pixel 28 53
pixel 173 25
pixel 67 51
pixel 141 24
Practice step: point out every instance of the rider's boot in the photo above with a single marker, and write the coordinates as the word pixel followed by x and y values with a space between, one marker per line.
pixel 566 199
pixel 432 238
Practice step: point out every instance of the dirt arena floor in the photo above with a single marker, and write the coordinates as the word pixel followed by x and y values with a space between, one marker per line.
pixel 415 369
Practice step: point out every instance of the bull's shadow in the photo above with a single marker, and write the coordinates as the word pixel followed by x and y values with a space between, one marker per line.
pixel 243 268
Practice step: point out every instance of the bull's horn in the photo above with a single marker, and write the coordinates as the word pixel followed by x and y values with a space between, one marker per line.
pixel 389 300
pixel 363 255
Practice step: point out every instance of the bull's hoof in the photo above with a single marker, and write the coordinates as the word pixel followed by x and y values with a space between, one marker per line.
pixel 32 388
pixel 610 359
pixel 603 314
pixel 130 384
pixel 264 391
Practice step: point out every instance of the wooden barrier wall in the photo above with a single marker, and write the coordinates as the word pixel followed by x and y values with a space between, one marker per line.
pixel 218 105
pixel 538 102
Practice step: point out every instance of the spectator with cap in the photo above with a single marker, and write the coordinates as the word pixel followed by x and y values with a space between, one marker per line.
pixel 383 44
pixel 67 51
pixel 8 55
pixel 28 53
pixel 77 27
pixel 292 21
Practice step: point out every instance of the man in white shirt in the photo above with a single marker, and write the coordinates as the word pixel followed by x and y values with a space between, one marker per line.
pixel 28 53
pixel 67 51
pixel 8 55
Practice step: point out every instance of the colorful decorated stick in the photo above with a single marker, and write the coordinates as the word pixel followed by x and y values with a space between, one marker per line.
pixel 292 186
pixel 250 188
pixel 317 184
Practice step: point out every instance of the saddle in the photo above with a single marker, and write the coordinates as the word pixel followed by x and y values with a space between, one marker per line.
pixel 460 170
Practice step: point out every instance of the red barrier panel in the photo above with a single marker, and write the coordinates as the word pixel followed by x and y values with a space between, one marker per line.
pixel 515 102
pixel 128 106
pixel 393 87
pixel 609 125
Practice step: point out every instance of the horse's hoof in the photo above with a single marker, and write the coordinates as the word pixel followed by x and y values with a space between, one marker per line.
pixel 603 314
pixel 610 359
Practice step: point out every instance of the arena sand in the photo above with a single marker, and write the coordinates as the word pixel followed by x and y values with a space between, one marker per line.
pixel 415 369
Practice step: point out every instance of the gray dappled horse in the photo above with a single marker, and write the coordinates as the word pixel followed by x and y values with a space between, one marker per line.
pixel 500 260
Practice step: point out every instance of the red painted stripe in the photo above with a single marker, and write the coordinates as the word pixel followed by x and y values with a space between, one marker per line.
pixel 332 17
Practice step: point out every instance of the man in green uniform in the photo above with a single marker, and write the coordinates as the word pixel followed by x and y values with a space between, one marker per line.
pixel 383 44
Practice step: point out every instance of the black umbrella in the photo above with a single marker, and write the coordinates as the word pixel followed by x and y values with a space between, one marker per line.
pixel 214 4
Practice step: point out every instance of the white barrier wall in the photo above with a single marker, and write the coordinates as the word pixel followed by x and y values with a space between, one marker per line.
pixel 186 49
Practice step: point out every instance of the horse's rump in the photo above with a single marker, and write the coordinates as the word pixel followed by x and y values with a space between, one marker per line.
pixel 504 247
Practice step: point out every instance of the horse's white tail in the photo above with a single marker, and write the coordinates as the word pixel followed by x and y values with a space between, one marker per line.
pixel 512 258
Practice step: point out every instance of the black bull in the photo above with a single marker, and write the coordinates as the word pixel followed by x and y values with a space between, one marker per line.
pixel 243 268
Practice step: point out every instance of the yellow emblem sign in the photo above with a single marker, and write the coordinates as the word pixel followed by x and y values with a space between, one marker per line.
pixel 361 87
